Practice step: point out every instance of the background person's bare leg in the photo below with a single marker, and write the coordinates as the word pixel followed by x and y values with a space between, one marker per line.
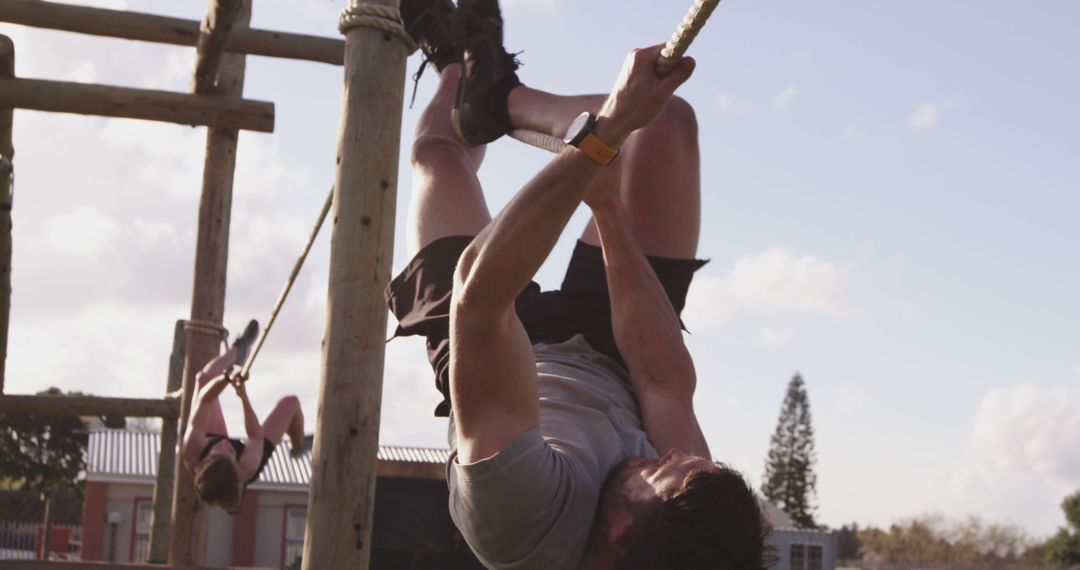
pixel 213 369
pixel 447 199
pixel 286 417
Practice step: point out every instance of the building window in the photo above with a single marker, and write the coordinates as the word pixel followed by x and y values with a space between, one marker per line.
pixel 805 557
pixel 813 557
pixel 140 543
pixel 295 520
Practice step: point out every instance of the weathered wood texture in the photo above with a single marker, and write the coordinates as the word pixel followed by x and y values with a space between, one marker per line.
pixel 410 470
pixel 208 296
pixel 161 29
pixel 341 501
pixel 214 31
pixel 89 406
pixel 109 101
pixel 57 565
pixel 7 155
pixel 167 464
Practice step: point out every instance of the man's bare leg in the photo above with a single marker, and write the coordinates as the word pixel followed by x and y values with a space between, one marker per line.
pixel 661 182
pixel 447 199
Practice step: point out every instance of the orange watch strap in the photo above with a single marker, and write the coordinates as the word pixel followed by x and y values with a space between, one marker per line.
pixel 595 149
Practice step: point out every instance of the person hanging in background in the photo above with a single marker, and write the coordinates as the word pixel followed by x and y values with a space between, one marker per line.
pixel 222 466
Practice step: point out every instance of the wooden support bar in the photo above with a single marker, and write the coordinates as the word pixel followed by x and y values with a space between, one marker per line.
pixel 167 464
pixel 342 497
pixel 151 105
pixel 7 176
pixel 213 32
pixel 57 565
pixel 89 406
pixel 208 296
pixel 161 29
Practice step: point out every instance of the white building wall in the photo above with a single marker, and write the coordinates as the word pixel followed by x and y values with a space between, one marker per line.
pixel 120 506
pixel 270 525
pixel 219 538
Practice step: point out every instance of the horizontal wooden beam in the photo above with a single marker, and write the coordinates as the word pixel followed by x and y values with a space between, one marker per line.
pixel 162 29
pixel 151 105
pixel 57 565
pixel 168 408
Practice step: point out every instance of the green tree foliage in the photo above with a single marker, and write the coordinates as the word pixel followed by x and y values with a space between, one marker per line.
pixel 1064 547
pixel 931 539
pixel 847 542
pixel 43 454
pixel 790 482
pixel 1071 506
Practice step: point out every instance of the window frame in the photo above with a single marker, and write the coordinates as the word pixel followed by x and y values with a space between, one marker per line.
pixel 136 504
pixel 285 540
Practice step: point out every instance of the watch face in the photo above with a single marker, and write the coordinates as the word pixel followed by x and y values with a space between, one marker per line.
pixel 576 127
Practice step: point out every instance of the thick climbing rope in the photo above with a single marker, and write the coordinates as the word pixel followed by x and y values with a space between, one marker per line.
pixel 207 328
pixel 243 375
pixel 383 18
pixel 670 56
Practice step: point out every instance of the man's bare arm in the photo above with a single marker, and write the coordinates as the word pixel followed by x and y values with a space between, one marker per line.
pixel 647 330
pixel 495 397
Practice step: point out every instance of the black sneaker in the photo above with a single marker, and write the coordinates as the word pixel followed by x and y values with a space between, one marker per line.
pixel 428 24
pixel 488 75
pixel 244 341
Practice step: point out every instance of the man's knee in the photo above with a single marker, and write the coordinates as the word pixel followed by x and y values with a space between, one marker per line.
pixel 676 124
pixel 434 149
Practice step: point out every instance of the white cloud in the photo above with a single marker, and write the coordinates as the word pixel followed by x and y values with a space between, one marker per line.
pixel 1023 456
pixel 732 104
pixel 83 72
pixel 850 130
pixel 85 231
pixel 786 97
pixel 776 337
pixel 925 117
pixel 772 282
pixel 1076 369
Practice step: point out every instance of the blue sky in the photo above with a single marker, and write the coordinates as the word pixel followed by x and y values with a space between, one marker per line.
pixel 890 202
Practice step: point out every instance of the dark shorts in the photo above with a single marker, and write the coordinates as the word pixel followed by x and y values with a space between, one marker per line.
pixel 420 299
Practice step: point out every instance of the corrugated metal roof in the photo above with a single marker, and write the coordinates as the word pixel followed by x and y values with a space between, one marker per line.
pixel 127 453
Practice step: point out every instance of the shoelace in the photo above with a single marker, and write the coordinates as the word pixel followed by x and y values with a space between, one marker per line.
pixel 416 78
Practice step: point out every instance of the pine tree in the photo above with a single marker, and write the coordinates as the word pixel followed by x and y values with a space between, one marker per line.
pixel 790 482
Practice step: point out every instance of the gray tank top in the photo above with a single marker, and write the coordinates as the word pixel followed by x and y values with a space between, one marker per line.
pixel 532 504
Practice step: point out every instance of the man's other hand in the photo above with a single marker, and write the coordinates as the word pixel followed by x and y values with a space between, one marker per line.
pixel 639 94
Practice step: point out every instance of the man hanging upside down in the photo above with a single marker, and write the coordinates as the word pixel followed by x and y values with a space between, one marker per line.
pixel 573 435
pixel 223 467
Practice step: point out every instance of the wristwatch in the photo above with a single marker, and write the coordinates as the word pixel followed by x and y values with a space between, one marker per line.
pixel 581 134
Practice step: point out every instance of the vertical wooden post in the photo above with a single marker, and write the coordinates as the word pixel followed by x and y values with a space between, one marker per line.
pixel 208 297
pixel 47 523
pixel 7 156
pixel 167 460
pixel 338 531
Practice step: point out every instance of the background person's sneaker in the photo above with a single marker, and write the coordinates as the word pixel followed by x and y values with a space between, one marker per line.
pixel 488 75
pixel 244 341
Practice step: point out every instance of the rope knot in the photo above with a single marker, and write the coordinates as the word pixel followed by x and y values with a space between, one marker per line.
pixel 207 328
pixel 385 18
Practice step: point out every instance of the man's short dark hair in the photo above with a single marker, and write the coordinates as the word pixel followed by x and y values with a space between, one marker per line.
pixel 712 521
pixel 218 482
